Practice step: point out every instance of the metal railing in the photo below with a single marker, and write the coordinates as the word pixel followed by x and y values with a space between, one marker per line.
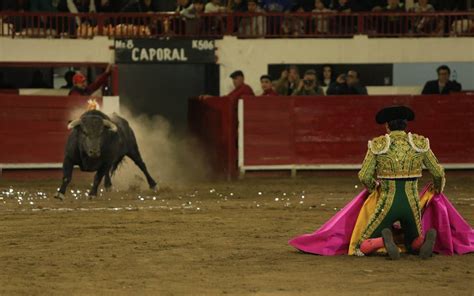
pixel 244 25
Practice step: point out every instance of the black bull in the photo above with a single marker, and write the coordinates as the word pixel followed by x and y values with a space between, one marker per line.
pixel 99 143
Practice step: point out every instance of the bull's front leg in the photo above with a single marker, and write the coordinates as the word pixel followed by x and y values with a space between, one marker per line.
pixel 107 182
pixel 97 179
pixel 67 176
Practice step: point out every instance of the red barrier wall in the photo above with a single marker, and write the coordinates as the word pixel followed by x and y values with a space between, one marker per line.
pixel 33 129
pixel 330 130
pixel 214 121
pixel 335 129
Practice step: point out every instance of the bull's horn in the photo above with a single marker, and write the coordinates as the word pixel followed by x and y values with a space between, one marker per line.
pixel 73 124
pixel 112 126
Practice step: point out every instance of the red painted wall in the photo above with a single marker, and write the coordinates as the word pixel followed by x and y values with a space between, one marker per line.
pixel 214 121
pixel 335 129
pixel 33 129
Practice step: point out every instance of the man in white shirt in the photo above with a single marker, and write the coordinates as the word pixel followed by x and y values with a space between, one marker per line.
pixel 214 6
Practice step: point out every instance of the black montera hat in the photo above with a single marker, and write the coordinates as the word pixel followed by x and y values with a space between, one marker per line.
pixel 393 113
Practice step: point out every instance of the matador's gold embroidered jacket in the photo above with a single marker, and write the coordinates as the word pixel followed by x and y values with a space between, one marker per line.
pixel 399 155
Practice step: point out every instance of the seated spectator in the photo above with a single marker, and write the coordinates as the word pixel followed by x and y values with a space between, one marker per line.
pixel 241 89
pixel 193 16
pixel 195 10
pixel 328 76
pixel 276 6
pixel 182 4
pixel 253 26
pixel 294 25
pixel 237 6
pixel 321 21
pixel 267 86
pixel 442 85
pixel 347 85
pixel 68 77
pixel 309 85
pixel 214 6
pixel 288 82
pixel 344 24
pixel 81 88
pixel 426 24
pixel 214 24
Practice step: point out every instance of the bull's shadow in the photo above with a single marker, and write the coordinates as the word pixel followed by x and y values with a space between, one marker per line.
pixel 98 143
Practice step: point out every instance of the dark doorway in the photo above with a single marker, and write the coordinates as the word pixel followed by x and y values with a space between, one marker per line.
pixel 164 89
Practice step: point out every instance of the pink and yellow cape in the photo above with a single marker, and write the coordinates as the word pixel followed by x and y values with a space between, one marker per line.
pixel 339 235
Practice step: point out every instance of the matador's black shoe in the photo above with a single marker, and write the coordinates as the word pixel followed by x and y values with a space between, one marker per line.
pixel 390 246
pixel 426 250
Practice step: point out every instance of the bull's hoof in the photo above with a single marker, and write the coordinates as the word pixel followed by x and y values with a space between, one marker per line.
pixel 155 188
pixel 59 196
pixel 108 189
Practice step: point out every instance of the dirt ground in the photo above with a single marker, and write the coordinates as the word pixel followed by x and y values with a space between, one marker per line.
pixel 206 238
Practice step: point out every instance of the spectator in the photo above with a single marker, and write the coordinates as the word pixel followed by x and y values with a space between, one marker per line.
pixel 277 5
pixel 309 85
pixel 288 82
pixel 81 88
pixel 68 77
pixel 193 11
pixel 443 85
pixel 237 6
pixel 267 86
pixel 194 25
pixel 214 6
pixel 214 23
pixel 423 6
pixel 321 21
pixel 426 24
pixel 241 89
pixel 182 4
pixel 294 25
pixel 347 85
pixel 394 6
pixel 253 26
pixel 328 75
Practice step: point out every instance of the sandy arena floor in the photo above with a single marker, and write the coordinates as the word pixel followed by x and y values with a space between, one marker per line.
pixel 205 239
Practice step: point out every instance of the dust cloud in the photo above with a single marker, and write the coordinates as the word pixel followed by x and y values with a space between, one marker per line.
pixel 171 159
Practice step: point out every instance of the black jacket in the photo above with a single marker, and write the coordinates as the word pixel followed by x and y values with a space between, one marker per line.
pixel 343 89
pixel 432 88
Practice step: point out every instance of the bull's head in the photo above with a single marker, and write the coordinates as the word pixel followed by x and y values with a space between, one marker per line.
pixel 91 129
